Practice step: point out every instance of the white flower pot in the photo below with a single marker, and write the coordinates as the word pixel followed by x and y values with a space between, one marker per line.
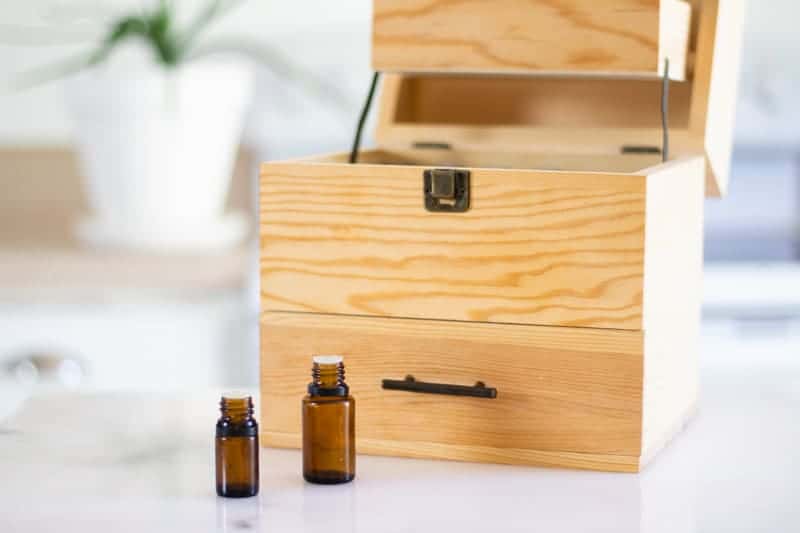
pixel 157 149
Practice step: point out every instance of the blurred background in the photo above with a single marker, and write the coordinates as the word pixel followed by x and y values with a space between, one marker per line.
pixel 104 286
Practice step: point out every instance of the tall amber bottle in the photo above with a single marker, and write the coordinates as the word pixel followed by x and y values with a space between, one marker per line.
pixel 237 448
pixel 329 416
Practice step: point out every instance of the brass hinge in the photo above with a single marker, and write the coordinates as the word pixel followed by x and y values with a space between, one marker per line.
pixel 631 149
pixel 431 145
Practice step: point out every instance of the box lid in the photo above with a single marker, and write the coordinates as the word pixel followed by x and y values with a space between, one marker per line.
pixel 579 114
pixel 584 37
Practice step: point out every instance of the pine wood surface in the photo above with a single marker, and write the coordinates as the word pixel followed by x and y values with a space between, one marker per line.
pixel 563 103
pixel 579 397
pixel 438 157
pixel 550 248
pixel 672 298
pixel 475 454
pixel 577 115
pixel 559 389
pixel 600 37
pixel 716 86
pixel 521 115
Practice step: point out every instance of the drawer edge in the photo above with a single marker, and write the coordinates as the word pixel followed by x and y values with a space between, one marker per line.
pixel 601 340
pixel 506 456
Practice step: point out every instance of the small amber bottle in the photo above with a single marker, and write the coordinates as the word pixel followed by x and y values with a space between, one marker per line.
pixel 237 448
pixel 329 424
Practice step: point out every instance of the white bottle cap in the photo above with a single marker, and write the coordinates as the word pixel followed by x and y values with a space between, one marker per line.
pixel 327 359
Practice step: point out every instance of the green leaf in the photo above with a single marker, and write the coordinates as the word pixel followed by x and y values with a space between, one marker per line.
pixel 172 47
pixel 159 23
pixel 163 39
pixel 124 28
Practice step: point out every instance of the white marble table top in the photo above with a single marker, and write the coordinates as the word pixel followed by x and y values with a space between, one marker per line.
pixel 142 462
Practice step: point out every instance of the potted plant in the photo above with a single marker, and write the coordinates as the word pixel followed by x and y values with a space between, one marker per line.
pixel 158 119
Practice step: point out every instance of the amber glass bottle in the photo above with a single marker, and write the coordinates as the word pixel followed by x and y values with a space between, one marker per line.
pixel 329 416
pixel 237 448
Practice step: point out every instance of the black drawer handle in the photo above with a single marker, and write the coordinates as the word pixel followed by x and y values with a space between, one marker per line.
pixel 479 390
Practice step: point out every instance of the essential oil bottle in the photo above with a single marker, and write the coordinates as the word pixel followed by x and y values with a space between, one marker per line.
pixel 237 448
pixel 329 424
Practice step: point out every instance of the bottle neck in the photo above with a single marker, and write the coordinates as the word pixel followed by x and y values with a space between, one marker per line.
pixel 328 376
pixel 236 410
pixel 327 380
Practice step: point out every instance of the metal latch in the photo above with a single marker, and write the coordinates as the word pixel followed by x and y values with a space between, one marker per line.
pixel 446 190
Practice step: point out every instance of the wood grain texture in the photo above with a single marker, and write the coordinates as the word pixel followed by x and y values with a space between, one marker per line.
pixel 578 115
pixel 438 157
pixel 536 247
pixel 672 295
pixel 573 390
pixel 532 101
pixel 623 38
pixel 578 397
pixel 523 115
pixel 476 454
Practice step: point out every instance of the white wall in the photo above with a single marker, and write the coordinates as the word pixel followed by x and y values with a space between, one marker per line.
pixel 329 38
pixel 769 109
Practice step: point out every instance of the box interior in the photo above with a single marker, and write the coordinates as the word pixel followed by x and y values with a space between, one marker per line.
pixel 547 102
pixel 539 102
pixel 547 113
pixel 432 157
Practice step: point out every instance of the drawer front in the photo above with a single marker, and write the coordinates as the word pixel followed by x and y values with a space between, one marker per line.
pixel 619 37
pixel 535 247
pixel 559 390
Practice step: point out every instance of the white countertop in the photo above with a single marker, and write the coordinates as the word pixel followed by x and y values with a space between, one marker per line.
pixel 143 462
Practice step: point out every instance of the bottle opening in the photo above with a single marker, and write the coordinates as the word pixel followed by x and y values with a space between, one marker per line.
pixel 237 408
pixel 327 374
pixel 328 359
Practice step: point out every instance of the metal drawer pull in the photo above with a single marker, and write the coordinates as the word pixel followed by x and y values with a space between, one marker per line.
pixel 479 390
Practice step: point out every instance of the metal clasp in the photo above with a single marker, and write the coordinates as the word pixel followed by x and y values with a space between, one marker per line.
pixel 446 190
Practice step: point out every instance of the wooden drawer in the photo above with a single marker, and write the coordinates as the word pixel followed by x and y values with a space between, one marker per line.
pixel 601 37
pixel 566 396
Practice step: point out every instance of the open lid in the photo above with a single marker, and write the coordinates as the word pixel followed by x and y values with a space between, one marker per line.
pixel 548 112
pixel 584 37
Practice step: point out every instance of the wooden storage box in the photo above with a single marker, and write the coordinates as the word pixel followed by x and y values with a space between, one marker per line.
pixel 562 297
